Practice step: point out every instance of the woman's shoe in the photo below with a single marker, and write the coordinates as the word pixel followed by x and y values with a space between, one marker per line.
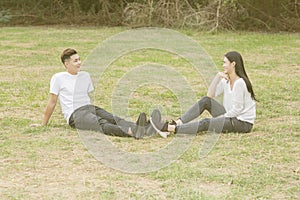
pixel 160 127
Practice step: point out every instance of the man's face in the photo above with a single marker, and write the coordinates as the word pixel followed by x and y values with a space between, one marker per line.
pixel 73 64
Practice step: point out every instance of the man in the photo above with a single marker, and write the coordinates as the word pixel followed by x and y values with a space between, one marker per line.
pixel 72 88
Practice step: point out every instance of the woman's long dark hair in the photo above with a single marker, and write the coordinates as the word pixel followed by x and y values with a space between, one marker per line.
pixel 240 70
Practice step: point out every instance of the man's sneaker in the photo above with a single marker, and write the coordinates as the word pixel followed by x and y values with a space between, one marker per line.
pixel 160 127
pixel 139 130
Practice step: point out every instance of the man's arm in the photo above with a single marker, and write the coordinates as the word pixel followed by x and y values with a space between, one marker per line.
pixel 49 109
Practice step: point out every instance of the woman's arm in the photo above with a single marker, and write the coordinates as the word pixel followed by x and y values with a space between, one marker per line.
pixel 213 86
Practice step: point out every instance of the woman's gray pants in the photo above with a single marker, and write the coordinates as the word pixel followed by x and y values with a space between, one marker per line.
pixel 215 124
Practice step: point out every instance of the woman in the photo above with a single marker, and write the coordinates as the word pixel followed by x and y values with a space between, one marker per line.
pixel 237 113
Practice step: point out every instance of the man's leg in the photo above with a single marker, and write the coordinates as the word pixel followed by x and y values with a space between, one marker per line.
pixel 90 117
pixel 114 120
pixel 85 118
pixel 116 126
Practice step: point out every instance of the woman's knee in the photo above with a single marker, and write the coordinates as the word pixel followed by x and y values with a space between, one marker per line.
pixel 205 99
pixel 205 102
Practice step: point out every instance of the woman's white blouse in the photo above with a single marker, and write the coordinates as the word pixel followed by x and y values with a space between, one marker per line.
pixel 237 102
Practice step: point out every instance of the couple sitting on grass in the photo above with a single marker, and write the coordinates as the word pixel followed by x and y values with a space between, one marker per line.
pixel 237 113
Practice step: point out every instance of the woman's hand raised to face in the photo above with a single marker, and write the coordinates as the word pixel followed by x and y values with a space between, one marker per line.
pixel 223 75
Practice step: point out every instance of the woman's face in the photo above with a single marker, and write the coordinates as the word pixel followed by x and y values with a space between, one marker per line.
pixel 228 66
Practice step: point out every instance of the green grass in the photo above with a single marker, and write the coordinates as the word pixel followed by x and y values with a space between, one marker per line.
pixel 52 163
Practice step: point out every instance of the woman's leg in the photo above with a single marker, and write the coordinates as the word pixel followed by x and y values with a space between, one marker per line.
pixel 205 103
pixel 217 125
pixel 240 126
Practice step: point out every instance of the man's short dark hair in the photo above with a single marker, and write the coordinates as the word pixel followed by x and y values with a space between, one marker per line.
pixel 66 54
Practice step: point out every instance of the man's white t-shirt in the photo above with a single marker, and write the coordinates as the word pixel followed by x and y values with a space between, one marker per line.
pixel 238 101
pixel 72 90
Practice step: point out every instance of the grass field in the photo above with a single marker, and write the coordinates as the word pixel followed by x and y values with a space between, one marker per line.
pixel 52 162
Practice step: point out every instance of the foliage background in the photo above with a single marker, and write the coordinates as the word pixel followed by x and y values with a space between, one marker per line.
pixel 213 15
